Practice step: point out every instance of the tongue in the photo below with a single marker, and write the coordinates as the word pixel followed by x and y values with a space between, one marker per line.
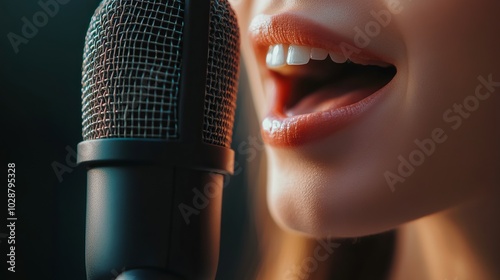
pixel 345 91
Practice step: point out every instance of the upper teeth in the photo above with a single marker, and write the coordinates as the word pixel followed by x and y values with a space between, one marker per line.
pixel 280 55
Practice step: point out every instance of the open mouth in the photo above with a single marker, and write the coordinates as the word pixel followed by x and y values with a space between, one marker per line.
pixel 313 79
pixel 316 81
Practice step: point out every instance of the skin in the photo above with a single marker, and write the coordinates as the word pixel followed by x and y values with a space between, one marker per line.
pixel 446 210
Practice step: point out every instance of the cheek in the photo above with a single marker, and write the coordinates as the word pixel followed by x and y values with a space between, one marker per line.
pixel 456 43
pixel 450 28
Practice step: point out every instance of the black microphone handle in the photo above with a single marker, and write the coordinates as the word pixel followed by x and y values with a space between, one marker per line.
pixel 147 217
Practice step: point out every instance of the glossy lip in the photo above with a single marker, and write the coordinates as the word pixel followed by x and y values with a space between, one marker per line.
pixel 284 131
pixel 281 130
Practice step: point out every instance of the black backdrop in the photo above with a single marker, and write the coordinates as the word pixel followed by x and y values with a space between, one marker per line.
pixel 40 121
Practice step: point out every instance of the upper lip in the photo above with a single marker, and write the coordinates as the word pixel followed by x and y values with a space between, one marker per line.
pixel 287 28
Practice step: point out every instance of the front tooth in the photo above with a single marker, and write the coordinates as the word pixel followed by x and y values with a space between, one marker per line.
pixel 337 57
pixel 319 54
pixel 269 56
pixel 298 55
pixel 275 56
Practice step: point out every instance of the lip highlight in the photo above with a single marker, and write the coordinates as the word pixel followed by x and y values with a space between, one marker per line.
pixel 284 130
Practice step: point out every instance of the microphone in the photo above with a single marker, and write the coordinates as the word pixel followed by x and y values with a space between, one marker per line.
pixel 159 83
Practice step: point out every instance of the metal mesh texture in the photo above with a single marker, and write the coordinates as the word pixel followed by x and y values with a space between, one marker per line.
pixel 222 75
pixel 132 65
pixel 131 70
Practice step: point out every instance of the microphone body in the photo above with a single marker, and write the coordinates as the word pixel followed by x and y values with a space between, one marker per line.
pixel 145 212
pixel 158 93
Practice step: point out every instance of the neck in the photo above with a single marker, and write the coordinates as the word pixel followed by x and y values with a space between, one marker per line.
pixel 456 244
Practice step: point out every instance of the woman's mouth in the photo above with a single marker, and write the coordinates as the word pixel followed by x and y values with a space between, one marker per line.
pixel 315 80
pixel 319 86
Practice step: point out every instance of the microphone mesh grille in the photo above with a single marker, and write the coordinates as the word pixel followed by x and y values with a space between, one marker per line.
pixel 222 75
pixel 131 70
pixel 132 66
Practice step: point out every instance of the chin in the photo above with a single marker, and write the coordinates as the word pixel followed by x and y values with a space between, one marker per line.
pixel 322 199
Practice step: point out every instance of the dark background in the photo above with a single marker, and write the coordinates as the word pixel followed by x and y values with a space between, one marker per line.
pixel 40 120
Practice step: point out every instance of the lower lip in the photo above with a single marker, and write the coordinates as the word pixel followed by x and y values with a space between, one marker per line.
pixel 280 130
